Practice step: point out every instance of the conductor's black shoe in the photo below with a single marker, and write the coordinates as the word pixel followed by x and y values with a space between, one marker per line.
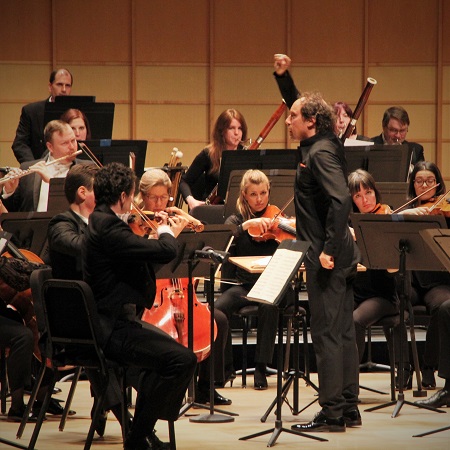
pixel 101 421
pixel 322 423
pixel 156 443
pixel 203 397
pixel 352 418
pixel 428 379
pixel 439 399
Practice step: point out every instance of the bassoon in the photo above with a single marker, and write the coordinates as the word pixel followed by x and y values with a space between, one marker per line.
pixel 213 198
pixel 371 82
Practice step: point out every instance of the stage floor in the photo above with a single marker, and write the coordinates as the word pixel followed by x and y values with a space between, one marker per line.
pixel 379 429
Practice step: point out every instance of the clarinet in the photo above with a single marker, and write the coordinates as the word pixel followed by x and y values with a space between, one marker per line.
pixel 371 82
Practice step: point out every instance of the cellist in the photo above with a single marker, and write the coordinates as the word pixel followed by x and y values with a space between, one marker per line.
pixel 154 195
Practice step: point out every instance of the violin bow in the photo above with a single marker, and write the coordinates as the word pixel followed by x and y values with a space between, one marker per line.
pixel 415 198
pixel 283 208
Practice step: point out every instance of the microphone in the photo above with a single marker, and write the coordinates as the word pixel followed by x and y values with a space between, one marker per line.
pixel 215 255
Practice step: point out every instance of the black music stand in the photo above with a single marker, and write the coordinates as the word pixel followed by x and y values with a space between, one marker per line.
pixel 439 243
pixel 393 242
pixel 186 265
pixel 272 284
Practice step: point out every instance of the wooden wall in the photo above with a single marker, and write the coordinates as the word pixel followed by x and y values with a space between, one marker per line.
pixel 171 66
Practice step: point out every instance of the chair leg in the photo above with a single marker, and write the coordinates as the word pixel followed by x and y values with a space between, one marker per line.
pixel 3 380
pixel 305 347
pixel 412 333
pixel 173 444
pixel 287 353
pixel 75 379
pixel 245 327
pixel 391 350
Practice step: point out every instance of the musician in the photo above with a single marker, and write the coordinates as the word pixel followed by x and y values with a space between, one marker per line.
pixel 117 264
pixel 29 143
pixel 375 291
pixel 78 122
pixel 250 208
pixel 395 125
pixel 442 397
pixel 431 289
pixel 30 192
pixel 322 205
pixel 230 131
pixel 154 194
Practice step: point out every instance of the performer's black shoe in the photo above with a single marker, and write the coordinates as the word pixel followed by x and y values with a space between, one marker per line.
pixel 101 422
pixel 203 398
pixel 54 408
pixel 428 379
pixel 322 423
pixel 16 416
pixel 352 418
pixel 260 380
pixel 439 399
pixel 407 378
pixel 156 443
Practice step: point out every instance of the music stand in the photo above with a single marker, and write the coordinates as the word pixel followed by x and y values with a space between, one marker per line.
pixel 185 265
pixel 393 242
pixel 271 288
pixel 439 243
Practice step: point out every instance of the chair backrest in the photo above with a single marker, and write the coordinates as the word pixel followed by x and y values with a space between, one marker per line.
pixel 37 279
pixel 70 318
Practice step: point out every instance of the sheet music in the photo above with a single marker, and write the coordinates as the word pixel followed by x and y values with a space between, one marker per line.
pixel 356 143
pixel 278 272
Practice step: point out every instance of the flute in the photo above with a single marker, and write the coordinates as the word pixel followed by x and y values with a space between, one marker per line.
pixel 28 171
pixel 371 82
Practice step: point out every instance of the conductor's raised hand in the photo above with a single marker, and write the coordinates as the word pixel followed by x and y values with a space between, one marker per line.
pixel 281 63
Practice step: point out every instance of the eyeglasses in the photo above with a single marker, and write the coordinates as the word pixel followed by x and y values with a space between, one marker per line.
pixel 155 198
pixel 428 181
pixel 401 131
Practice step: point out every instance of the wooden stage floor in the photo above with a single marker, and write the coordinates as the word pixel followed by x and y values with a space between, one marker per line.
pixel 379 429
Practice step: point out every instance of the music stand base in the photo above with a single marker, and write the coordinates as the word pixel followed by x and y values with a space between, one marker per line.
pixel 420 393
pixel 13 444
pixel 431 432
pixel 277 431
pixel 212 418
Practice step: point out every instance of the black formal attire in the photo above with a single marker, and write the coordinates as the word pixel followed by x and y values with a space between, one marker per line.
pixel 117 264
pixel 26 197
pixel 29 142
pixel 417 150
pixel 234 299
pixel 444 337
pixel 375 293
pixel 322 205
pixel 431 289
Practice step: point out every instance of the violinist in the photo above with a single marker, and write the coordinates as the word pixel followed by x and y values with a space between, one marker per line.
pixel 230 130
pixel 251 205
pixel 154 194
pixel 431 289
pixel 30 192
pixel 375 293
pixel 118 265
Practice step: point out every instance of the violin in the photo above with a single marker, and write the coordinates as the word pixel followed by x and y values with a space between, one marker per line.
pixel 170 314
pixel 381 209
pixel 281 228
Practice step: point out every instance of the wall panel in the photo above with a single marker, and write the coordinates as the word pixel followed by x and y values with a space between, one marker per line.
pixel 172 31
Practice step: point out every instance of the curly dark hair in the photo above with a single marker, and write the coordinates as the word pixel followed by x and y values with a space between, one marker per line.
pixel 111 180
pixel 313 105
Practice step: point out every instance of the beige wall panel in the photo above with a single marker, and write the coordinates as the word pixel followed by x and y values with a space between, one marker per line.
pixel 9 118
pixel 176 84
pixel 446 122
pixel 7 158
pixel 328 31
pixel 446 84
pixel 402 31
pixel 248 31
pixel 24 83
pixel 404 84
pixel 121 126
pixel 446 33
pixel 100 31
pixel 22 31
pixel 172 31
pixel 445 169
pixel 107 83
pixel 172 123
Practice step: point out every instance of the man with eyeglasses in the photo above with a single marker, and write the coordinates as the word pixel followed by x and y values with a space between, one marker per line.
pixel 395 128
